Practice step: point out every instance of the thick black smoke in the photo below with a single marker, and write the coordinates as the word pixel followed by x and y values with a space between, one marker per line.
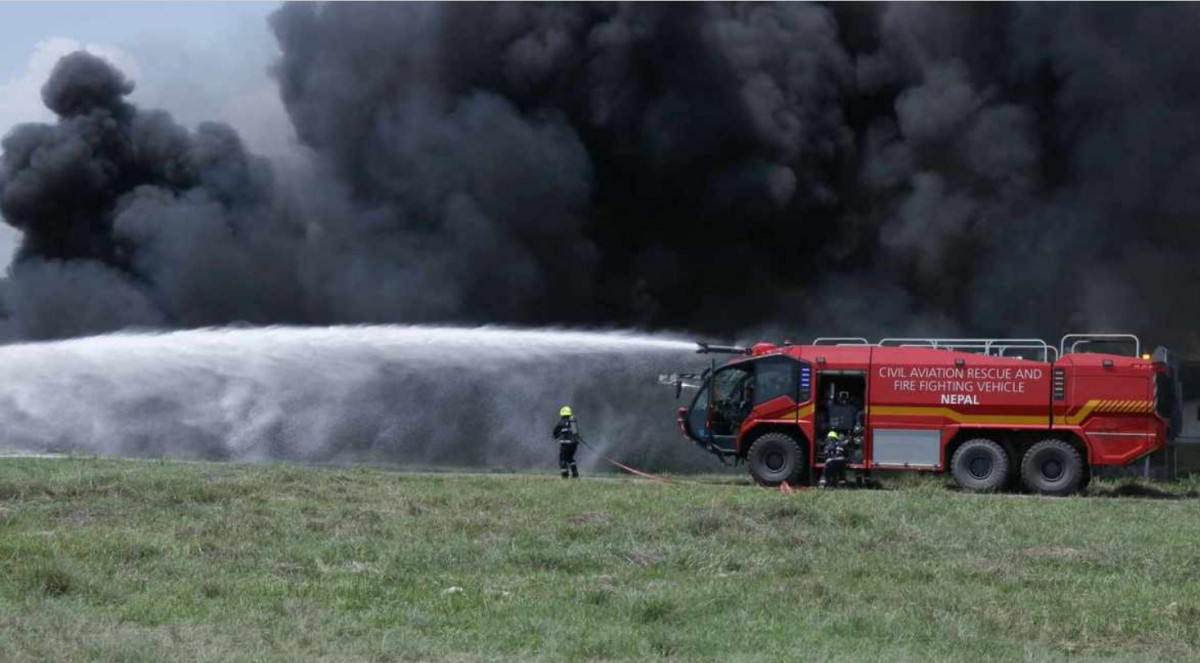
pixel 974 169
pixel 130 219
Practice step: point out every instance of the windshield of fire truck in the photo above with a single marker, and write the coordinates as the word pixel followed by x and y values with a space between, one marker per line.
pixel 730 385
pixel 731 395
pixel 697 418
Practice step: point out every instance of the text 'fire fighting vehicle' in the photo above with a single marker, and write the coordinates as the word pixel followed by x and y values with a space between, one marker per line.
pixel 989 411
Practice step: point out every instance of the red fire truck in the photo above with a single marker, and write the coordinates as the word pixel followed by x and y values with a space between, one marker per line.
pixel 991 412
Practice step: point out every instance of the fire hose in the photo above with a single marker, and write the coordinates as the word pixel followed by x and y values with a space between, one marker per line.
pixel 627 468
pixel 783 487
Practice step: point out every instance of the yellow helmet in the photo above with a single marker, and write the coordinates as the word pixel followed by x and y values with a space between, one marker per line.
pixel 833 435
pixel 565 411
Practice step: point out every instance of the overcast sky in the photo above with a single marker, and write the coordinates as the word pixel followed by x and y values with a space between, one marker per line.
pixel 198 60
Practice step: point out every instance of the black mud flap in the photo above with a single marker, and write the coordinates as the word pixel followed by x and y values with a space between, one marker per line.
pixel 1168 392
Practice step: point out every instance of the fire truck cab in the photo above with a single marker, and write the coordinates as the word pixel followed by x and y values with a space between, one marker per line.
pixel 994 413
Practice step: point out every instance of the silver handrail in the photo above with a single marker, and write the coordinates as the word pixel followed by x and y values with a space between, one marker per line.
pixel 996 347
pixel 988 346
pixel 1048 351
pixel 841 340
pixel 1082 339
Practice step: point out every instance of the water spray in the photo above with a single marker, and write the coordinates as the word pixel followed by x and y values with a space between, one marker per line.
pixel 406 394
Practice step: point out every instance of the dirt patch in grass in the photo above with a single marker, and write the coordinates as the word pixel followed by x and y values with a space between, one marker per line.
pixel 704 522
pixel 707 522
pixel 790 512
pixel 50 579
pixel 345 566
pixel 644 558
pixel 79 515
pixel 654 610
pixel 212 589
pixel 10 491
pixel 1141 490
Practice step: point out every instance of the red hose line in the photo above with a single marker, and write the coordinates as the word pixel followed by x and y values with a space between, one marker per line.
pixel 631 470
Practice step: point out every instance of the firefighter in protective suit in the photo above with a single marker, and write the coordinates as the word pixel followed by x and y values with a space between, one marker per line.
pixel 835 461
pixel 567 434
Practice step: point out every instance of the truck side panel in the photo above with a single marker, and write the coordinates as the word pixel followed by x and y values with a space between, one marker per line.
pixel 914 389
pixel 1109 407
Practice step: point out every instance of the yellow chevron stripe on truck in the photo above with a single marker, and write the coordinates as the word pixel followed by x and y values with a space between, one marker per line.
pixel 804 411
pixel 1083 413
pixel 798 413
pixel 1121 406
pixel 1105 406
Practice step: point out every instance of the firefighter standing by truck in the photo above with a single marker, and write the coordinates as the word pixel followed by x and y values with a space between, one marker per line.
pixel 835 461
pixel 567 434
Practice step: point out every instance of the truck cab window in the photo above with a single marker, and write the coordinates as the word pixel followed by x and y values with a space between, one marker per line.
pixel 733 396
pixel 775 377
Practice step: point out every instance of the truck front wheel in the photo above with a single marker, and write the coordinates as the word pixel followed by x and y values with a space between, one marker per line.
pixel 1052 467
pixel 776 458
pixel 980 466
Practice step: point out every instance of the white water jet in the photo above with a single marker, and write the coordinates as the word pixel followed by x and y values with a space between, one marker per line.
pixel 411 394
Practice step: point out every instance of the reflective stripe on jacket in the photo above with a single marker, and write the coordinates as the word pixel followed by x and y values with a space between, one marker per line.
pixel 566 431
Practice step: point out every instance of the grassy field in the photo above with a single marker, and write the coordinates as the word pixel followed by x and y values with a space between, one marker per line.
pixel 151 561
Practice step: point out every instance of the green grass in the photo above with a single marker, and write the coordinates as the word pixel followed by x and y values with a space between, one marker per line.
pixel 150 561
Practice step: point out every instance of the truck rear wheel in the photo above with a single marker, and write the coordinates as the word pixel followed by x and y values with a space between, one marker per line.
pixel 1052 467
pixel 776 458
pixel 980 466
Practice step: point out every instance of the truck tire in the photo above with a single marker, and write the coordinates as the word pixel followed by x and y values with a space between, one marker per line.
pixel 776 458
pixel 980 466
pixel 1052 467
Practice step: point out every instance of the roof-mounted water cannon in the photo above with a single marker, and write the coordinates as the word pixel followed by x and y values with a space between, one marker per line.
pixel 703 348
